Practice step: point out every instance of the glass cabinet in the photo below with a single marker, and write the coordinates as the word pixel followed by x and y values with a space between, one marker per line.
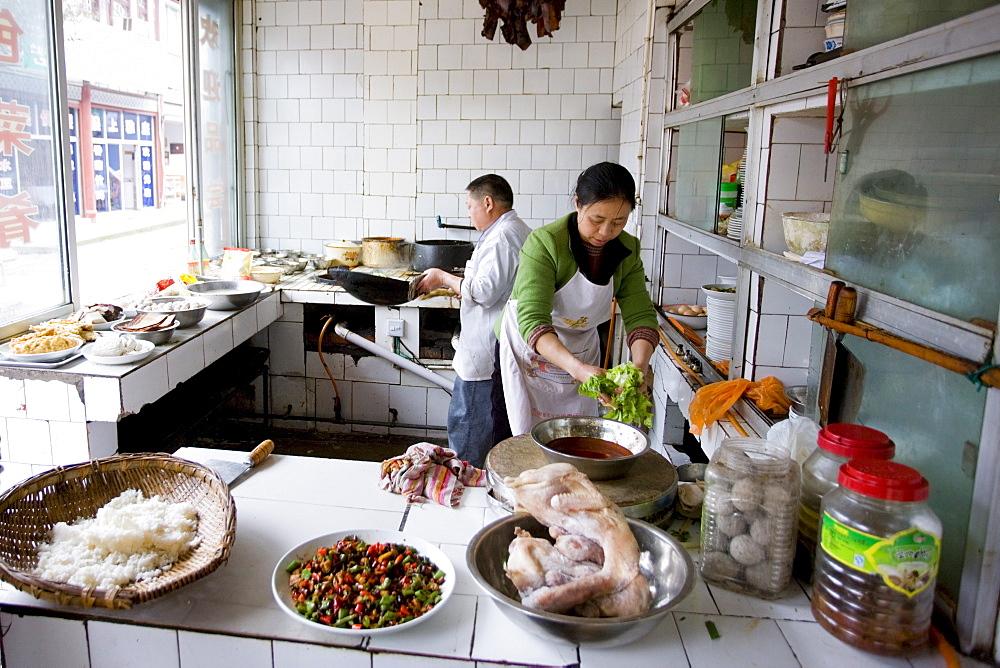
pixel 892 146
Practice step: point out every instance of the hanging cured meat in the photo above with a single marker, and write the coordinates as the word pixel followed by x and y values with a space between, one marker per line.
pixel 516 14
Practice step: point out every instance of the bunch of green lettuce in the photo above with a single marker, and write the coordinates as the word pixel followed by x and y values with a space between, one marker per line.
pixel 621 383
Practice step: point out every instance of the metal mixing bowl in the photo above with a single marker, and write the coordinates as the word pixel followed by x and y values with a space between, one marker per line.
pixel 185 317
pixel 227 295
pixel 664 562
pixel 620 433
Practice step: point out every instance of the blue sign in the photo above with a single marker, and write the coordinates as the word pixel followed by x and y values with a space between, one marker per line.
pixel 131 124
pixel 146 168
pixel 76 173
pixel 113 124
pixel 145 127
pixel 97 122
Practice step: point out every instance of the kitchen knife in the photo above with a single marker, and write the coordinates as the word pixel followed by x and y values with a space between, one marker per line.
pixel 230 471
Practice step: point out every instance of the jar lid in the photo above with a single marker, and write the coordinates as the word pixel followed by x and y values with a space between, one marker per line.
pixel 854 440
pixel 883 479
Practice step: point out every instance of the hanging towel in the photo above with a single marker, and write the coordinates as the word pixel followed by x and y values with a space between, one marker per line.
pixel 427 471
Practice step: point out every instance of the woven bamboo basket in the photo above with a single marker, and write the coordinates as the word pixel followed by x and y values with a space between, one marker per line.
pixel 30 510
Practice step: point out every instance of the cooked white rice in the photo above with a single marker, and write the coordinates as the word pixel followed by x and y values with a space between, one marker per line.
pixel 131 538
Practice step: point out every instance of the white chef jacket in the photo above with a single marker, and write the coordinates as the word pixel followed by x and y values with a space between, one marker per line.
pixel 485 289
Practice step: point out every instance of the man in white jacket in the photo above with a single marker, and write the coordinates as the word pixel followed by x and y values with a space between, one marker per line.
pixel 484 289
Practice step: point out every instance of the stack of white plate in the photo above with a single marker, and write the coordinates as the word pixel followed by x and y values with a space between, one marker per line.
pixel 741 171
pixel 735 225
pixel 721 320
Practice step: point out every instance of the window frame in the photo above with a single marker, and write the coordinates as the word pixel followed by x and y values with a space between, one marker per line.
pixel 59 92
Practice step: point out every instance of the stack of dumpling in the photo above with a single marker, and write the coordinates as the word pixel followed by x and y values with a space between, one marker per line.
pixel 115 346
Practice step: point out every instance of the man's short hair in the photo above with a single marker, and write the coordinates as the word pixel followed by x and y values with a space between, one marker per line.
pixel 493 185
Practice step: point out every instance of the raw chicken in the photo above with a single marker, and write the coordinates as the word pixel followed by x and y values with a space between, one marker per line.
pixel 592 570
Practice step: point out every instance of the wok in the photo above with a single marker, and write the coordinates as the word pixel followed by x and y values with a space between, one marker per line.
pixel 378 290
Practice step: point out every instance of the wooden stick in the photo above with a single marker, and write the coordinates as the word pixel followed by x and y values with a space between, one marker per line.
pixel 937 357
pixel 611 333
pixel 729 414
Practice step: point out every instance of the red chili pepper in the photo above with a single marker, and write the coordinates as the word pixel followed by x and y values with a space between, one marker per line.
pixel 321 551
pixel 355 626
pixel 403 610
pixel 325 619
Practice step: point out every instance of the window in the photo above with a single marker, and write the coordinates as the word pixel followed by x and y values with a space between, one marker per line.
pixel 128 145
pixel 33 253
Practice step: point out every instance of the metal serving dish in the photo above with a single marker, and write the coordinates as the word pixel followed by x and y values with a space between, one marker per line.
pixel 227 295
pixel 156 336
pixel 664 562
pixel 619 433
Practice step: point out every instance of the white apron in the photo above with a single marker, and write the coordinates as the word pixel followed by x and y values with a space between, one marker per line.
pixel 534 388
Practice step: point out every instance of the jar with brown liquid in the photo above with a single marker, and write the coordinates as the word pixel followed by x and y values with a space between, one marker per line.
pixel 877 559
pixel 749 517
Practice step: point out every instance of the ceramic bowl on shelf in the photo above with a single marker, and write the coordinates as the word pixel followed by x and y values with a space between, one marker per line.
pixel 806 231
pixel 692 315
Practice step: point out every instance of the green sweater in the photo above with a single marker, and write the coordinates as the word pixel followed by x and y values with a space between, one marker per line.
pixel 547 264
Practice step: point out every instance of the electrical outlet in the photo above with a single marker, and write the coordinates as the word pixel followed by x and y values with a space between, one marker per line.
pixel 395 327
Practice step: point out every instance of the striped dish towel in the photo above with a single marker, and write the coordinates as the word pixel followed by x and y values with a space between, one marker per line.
pixel 427 471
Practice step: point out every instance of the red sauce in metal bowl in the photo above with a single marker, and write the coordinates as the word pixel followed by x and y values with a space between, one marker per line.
pixel 588 446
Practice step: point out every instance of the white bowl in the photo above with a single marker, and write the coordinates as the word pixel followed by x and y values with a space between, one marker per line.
pixel 342 253
pixel 806 231
pixel 106 326
pixel 265 274
pixel 54 356
pixel 306 550
pixel 694 321
pixel 715 291
pixel 139 355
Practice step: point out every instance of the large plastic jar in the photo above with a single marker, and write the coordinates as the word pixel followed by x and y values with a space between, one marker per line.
pixel 877 560
pixel 838 443
pixel 748 520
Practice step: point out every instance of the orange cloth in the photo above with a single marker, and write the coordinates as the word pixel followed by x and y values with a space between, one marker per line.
pixel 712 401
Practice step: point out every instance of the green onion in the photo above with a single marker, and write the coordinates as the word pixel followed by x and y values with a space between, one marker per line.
pixel 713 632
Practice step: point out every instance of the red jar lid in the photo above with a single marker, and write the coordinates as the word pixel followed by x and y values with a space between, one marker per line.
pixel 853 440
pixel 883 479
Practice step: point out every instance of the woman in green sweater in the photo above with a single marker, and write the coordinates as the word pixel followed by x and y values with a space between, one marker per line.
pixel 569 272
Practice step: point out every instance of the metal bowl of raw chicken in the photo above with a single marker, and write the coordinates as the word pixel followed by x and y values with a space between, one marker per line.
pixel 601 448
pixel 664 562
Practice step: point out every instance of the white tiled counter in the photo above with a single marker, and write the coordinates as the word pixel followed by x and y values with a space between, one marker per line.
pixel 50 417
pixel 229 618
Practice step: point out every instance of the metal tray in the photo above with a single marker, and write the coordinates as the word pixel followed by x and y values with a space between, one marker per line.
pixel 4 361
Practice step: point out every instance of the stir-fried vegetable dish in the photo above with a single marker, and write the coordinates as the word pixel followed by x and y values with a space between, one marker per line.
pixel 357 585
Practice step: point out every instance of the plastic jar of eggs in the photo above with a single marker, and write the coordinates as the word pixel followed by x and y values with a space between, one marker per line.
pixel 749 517
pixel 877 560
pixel 838 443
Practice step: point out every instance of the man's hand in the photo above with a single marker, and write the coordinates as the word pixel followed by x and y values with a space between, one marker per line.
pixel 435 278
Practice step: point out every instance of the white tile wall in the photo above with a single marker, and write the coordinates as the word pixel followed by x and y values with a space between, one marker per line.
pixel 396 105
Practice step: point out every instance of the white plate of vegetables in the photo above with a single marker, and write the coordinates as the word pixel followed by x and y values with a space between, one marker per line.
pixel 363 581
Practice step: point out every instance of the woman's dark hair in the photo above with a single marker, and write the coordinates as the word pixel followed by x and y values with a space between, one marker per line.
pixel 604 181
pixel 493 185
